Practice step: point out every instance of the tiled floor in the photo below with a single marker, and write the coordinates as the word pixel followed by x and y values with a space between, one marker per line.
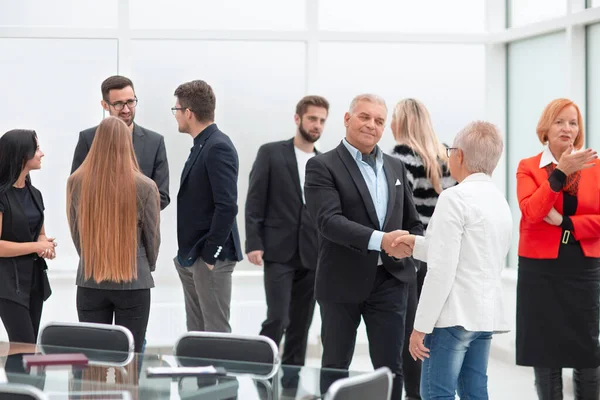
pixel 167 322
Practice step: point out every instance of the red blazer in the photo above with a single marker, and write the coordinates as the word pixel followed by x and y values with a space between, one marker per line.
pixel 539 239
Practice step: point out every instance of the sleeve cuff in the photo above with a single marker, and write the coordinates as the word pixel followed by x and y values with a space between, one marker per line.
pixel 567 223
pixel 557 180
pixel 210 254
pixel 375 241
pixel 422 326
pixel 420 249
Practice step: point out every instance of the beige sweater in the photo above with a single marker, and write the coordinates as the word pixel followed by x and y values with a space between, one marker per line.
pixel 148 207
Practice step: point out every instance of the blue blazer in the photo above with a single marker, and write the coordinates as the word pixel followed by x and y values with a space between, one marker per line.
pixel 207 201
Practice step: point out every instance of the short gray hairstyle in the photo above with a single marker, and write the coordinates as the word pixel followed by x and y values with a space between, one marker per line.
pixel 481 143
pixel 371 98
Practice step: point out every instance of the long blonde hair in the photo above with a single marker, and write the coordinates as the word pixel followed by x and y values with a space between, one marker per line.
pixel 411 125
pixel 106 214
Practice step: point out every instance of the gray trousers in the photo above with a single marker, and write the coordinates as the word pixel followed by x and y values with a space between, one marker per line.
pixel 207 295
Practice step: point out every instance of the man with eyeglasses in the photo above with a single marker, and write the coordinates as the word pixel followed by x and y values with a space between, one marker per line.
pixel 118 98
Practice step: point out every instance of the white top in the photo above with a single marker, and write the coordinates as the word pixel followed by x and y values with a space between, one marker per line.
pixel 302 158
pixel 465 248
pixel 547 158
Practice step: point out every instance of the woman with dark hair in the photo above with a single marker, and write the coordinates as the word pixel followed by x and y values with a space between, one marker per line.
pixel 24 245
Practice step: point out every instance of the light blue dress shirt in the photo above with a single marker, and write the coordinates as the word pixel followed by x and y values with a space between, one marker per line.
pixel 378 188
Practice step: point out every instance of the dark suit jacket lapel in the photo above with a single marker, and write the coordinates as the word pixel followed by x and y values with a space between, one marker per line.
pixel 139 140
pixel 390 176
pixel 197 149
pixel 359 181
pixel 292 163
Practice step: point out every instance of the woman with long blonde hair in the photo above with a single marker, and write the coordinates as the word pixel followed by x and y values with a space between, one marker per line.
pixel 427 171
pixel 114 212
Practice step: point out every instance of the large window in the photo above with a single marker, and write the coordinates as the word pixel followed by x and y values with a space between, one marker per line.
pixel 258 77
pixel 536 75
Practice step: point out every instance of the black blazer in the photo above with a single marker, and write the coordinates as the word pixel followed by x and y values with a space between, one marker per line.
pixel 207 201
pixel 339 200
pixel 277 221
pixel 17 274
pixel 150 152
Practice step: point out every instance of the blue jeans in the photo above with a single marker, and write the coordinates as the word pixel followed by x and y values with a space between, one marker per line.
pixel 458 361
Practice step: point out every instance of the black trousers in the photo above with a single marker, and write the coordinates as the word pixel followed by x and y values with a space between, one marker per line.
pixel 549 385
pixel 289 290
pixel 384 312
pixel 130 308
pixel 410 367
pixel 21 323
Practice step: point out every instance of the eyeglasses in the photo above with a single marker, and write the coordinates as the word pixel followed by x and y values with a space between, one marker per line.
pixel 119 105
pixel 174 109
pixel 448 150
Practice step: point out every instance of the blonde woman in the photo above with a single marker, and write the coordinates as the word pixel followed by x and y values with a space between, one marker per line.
pixel 113 212
pixel 427 171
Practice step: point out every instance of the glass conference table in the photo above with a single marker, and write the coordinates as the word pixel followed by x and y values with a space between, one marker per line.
pixel 113 375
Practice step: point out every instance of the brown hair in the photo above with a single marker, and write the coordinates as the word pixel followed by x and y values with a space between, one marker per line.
pixel 199 98
pixel 115 82
pixel 549 115
pixel 307 101
pixel 106 214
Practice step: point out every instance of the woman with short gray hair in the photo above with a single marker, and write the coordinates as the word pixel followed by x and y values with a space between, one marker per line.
pixel 465 246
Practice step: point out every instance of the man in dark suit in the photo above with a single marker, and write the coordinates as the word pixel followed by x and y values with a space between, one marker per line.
pixel 118 98
pixel 279 230
pixel 207 233
pixel 361 201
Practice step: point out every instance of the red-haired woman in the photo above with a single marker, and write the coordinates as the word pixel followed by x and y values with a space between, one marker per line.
pixel 558 291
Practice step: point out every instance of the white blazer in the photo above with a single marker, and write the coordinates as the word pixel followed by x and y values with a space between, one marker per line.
pixel 465 248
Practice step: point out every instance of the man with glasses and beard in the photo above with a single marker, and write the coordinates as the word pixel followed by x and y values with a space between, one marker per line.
pixel 119 99
pixel 281 234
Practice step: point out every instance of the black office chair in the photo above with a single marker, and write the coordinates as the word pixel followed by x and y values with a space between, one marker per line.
pixel 256 356
pixel 238 354
pixel 104 345
pixel 376 385
pixel 15 391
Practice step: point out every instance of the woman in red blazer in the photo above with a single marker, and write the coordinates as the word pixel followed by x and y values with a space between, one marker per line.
pixel 558 290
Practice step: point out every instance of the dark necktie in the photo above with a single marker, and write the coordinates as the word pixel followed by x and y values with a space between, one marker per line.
pixel 370 159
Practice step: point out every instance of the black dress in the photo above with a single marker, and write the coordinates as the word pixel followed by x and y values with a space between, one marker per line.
pixel 558 304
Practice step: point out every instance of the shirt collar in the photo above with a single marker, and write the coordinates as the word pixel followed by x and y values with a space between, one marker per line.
pixel 547 158
pixel 206 132
pixel 478 177
pixel 357 155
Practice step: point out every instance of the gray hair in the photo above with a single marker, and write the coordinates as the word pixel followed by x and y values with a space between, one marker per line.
pixel 481 143
pixel 371 98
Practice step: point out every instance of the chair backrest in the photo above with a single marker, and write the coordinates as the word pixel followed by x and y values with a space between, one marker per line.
pixel 14 391
pixel 91 395
pixel 376 385
pixel 238 354
pixel 103 344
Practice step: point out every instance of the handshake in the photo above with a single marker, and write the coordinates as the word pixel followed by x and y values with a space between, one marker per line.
pixel 398 244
